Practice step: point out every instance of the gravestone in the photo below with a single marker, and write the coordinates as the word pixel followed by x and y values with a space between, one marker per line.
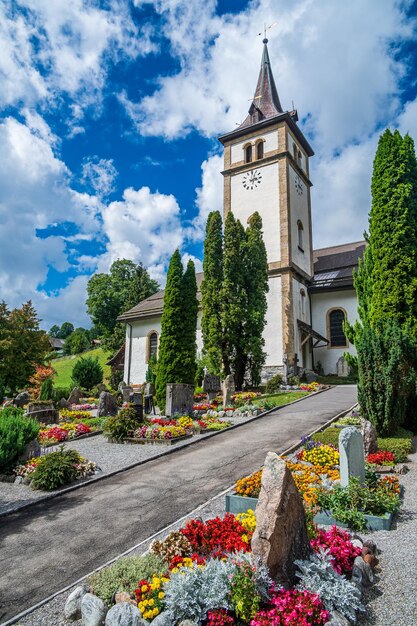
pixel 126 391
pixel 211 386
pixel 280 536
pixel 352 459
pixel 107 405
pixel 228 390
pixel 21 399
pixel 136 400
pixel 343 369
pixel 149 389
pixel 75 396
pixel 64 404
pixel 179 399
pixel 44 413
pixel 370 440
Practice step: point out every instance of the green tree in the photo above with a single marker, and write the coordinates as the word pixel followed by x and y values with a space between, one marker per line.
pixel 234 301
pixel 22 345
pixel 87 373
pixel 256 285
pixel 189 334
pixel 386 286
pixel 66 329
pixel 110 295
pixel 211 291
pixel 47 389
pixel 77 342
pixel 55 331
pixel 172 327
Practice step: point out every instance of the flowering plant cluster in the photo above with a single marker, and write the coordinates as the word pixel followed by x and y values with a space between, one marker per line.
pixel 204 406
pixel 200 396
pixel 74 416
pixel 217 536
pixel 185 421
pixel 162 422
pixel 83 407
pixel 219 617
pixel 28 468
pixel 293 608
pixel 382 457
pixel 248 521
pixel 309 479
pixel 340 548
pixel 249 486
pixel 390 485
pixel 82 466
pixel 42 372
pixel 310 387
pixel 149 596
pixel 161 432
pixel 323 455
pixel 243 397
pixel 179 562
pixel 63 432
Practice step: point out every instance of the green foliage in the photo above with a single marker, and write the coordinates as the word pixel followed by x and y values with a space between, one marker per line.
pixel 151 369
pixel 54 332
pixel 400 446
pixel 245 600
pixel 119 426
pixel 328 436
pixel 60 392
pixel 124 575
pixel 199 374
pixel 273 383
pixel 22 346
pixel 57 469
pixel 15 432
pixel 211 291
pixel 63 366
pixel 87 372
pixel 189 335
pixel 66 329
pixel 77 342
pixel 47 388
pixel 110 295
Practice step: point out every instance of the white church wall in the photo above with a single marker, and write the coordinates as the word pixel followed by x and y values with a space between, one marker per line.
pixel 273 329
pixel 263 198
pixel 321 303
pixel 299 213
pixel 270 143
pixel 301 304
pixel 141 329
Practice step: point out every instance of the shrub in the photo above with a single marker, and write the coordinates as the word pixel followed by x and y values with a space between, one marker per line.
pixel 330 436
pixel 46 389
pixel 124 575
pixel 56 469
pixel 15 432
pixel 400 447
pixel 60 392
pixel 338 594
pixel 87 372
pixel 175 544
pixel 119 426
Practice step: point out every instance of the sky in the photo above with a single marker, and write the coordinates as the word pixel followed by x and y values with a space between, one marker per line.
pixel 110 112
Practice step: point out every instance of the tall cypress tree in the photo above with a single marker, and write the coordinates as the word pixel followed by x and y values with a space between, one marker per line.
pixel 170 355
pixel 386 286
pixel 189 335
pixel 211 291
pixel 256 278
pixel 234 300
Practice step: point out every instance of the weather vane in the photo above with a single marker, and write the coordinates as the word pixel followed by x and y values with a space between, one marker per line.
pixel 266 28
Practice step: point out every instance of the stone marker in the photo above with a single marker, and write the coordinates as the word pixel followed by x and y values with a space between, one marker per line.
pixel 75 396
pixel 136 400
pixel 106 405
pixel 211 385
pixel 21 399
pixel 124 614
pixel 368 432
pixel 64 404
pixel 343 369
pixel 352 459
pixel 32 450
pixel 72 609
pixel 280 536
pixel 228 390
pixel 149 389
pixel 44 413
pixel 179 399
pixel 126 391
pixel 93 610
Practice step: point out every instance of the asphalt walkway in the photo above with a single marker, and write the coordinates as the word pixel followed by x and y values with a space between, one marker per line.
pixel 53 543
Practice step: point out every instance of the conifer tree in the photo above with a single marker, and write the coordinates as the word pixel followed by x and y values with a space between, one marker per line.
pixel 189 335
pixel 172 327
pixel 211 290
pixel 256 274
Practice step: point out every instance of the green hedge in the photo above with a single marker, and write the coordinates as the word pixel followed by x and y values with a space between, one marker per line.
pixel 330 435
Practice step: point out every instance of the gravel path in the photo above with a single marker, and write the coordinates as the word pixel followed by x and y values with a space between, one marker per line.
pixel 109 457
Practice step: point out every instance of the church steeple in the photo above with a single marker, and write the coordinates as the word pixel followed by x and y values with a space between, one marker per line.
pixel 266 103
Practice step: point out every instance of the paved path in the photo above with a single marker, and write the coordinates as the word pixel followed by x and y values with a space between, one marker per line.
pixel 51 544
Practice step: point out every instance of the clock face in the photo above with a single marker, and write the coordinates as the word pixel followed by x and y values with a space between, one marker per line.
pixel 252 179
pixel 299 185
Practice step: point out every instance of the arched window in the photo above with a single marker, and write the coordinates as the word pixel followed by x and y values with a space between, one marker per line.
pixel 248 153
pixel 300 228
pixel 152 347
pixel 335 319
pixel 260 150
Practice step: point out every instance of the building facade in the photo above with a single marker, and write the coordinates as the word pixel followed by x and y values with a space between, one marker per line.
pixel 266 169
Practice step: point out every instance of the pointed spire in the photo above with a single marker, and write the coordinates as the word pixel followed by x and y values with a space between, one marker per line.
pixel 265 102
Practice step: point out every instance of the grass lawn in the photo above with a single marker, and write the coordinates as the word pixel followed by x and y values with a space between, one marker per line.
pixel 63 366
pixel 281 398
pixel 332 379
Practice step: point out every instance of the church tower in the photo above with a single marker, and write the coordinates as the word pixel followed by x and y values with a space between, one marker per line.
pixel 266 169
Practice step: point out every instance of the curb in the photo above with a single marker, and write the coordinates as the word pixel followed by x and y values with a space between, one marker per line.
pixel 171 450
pixel 287 451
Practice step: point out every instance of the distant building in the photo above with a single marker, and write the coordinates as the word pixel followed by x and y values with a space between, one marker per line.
pixel 266 169
pixel 56 344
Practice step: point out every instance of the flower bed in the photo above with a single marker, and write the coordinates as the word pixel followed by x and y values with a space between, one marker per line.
pixel 158 434
pixel 58 433
pixel 74 416
pixel 55 469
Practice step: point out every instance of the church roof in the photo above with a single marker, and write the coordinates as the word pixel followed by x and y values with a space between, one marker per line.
pixel 333 268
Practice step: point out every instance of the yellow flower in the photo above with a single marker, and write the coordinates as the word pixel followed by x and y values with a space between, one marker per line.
pixel 151 602
pixel 161 595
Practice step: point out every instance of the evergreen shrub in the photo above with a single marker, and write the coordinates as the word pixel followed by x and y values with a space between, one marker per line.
pixel 273 384
pixel 57 469
pixel 119 426
pixel 87 372
pixel 15 432
pixel 46 389
pixel 60 392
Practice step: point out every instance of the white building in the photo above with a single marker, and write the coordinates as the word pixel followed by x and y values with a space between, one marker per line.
pixel 266 169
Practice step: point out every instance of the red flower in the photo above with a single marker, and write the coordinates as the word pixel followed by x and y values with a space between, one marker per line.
pixel 216 536
pixel 340 548
pixel 382 457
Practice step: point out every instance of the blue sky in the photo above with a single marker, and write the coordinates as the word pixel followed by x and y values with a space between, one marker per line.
pixel 110 110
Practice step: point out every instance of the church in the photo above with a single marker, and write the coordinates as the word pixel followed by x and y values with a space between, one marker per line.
pixel 267 169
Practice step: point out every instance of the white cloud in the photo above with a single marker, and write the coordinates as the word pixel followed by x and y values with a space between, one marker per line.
pixel 209 197
pixel 190 257
pixel 100 175
pixel 144 227
pixel 67 304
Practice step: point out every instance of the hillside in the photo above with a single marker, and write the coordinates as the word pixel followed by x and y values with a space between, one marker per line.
pixel 63 366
